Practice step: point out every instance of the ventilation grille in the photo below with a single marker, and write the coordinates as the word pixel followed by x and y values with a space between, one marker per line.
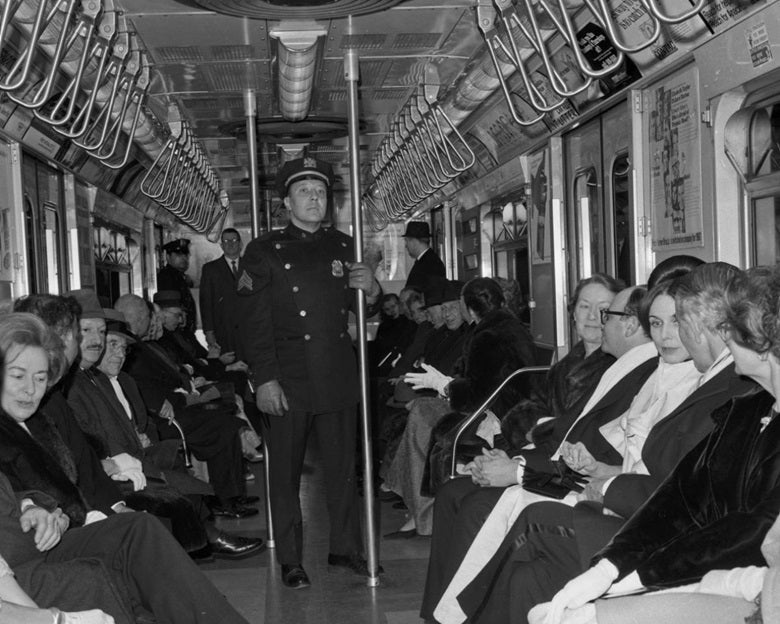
pixel 186 54
pixel 262 9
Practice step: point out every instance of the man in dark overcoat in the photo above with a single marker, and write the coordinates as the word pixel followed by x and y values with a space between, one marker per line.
pixel 299 286
pixel 426 263
pixel 173 276
pixel 218 294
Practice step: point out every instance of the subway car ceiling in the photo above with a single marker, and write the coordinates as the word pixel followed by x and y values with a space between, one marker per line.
pixel 450 92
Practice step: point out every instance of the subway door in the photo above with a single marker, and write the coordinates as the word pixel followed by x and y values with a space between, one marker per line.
pixel 598 190
pixel 44 215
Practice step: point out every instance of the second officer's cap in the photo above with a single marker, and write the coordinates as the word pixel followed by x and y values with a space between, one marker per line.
pixel 180 245
pixel 302 169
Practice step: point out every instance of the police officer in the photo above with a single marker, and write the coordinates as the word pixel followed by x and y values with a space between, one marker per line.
pixel 173 277
pixel 298 284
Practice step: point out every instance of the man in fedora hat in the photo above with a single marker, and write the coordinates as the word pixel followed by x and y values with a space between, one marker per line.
pixel 173 276
pixel 298 285
pixel 426 262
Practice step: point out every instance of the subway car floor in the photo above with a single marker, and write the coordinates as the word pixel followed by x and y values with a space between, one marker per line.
pixel 336 596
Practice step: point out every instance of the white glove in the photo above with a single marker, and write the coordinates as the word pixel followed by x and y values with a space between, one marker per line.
pixel 126 462
pixel 93 616
pixel 431 378
pixel 135 476
pixel 582 589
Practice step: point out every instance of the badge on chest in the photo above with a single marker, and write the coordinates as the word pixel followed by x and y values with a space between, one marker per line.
pixel 337 268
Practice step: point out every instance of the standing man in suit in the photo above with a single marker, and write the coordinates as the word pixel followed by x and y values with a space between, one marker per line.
pixel 299 285
pixel 426 262
pixel 218 294
pixel 173 276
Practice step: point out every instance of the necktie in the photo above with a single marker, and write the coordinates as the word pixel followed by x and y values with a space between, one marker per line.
pixel 233 267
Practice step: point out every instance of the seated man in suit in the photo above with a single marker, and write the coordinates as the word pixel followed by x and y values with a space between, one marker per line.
pixel 558 540
pixel 110 409
pixel 167 392
pixel 462 505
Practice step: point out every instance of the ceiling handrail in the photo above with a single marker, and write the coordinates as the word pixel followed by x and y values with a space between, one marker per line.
pixel 609 25
pixel 96 53
pixel 658 13
pixel 25 58
pixel 69 33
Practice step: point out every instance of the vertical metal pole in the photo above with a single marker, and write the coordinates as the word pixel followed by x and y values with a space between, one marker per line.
pixel 351 75
pixel 250 110
pixel 450 242
pixel 268 200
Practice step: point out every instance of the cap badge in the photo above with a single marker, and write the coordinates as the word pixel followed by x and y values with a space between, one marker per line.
pixel 309 163
pixel 337 268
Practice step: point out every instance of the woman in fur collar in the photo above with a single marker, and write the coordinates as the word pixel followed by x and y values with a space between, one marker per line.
pixel 722 498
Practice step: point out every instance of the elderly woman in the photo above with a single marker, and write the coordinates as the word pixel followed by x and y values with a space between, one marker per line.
pixel 482 573
pixel 566 388
pixel 720 501
pixel 500 343
pixel 139 554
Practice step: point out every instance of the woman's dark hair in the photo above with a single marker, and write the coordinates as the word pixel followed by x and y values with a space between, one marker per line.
pixel 752 299
pixel 602 279
pixel 384 300
pixel 665 287
pixel 482 295
pixel 672 268
pixel 57 311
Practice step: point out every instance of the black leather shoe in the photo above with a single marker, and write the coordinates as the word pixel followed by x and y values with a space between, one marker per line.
pixel 236 547
pixel 356 563
pixel 246 500
pixel 202 555
pixel 234 510
pixel 294 576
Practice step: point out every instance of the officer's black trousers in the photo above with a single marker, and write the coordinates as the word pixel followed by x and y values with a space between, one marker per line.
pixel 286 437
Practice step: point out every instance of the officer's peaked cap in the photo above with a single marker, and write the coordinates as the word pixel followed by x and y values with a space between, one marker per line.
pixel 180 245
pixel 302 169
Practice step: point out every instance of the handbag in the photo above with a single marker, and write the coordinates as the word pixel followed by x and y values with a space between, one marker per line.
pixel 554 484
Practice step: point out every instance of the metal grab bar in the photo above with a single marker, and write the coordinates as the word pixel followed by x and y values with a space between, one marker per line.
pixel 24 61
pixel 527 370
pixel 656 11
pixel 68 35
pixel 94 52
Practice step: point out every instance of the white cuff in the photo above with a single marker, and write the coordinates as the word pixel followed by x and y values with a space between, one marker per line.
pixel 520 468
pixel 606 484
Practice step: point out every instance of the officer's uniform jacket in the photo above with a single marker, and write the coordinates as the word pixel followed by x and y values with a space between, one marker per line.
pixel 294 316
pixel 169 278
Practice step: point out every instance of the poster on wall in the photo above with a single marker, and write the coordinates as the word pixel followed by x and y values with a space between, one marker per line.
pixel 672 130
pixel 540 226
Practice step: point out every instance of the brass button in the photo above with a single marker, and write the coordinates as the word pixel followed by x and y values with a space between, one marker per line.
pixel 278 246
pixel 307 337
pixel 295 289
pixel 302 312
pixel 343 311
pixel 287 266
pixel 342 334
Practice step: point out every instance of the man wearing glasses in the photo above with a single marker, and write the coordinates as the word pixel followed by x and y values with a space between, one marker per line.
pixel 219 299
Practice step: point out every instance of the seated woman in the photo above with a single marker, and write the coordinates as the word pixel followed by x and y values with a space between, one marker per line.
pixel 140 555
pixel 500 343
pixel 623 439
pixel 720 501
pixel 750 594
pixel 562 395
